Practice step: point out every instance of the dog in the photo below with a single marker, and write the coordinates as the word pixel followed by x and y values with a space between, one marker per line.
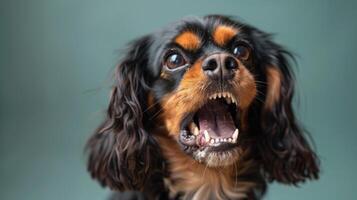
pixel 202 109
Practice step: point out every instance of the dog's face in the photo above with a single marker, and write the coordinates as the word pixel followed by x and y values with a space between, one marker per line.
pixel 213 86
pixel 206 84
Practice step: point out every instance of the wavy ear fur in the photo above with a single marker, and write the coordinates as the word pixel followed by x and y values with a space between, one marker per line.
pixel 286 154
pixel 122 154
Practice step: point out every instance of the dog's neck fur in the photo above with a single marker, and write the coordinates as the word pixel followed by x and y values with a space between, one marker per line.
pixel 192 180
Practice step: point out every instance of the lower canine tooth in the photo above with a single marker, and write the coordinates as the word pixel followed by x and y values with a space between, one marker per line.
pixel 207 137
pixel 235 135
pixel 193 128
pixel 196 131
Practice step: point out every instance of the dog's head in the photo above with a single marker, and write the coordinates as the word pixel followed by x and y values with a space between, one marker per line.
pixel 213 85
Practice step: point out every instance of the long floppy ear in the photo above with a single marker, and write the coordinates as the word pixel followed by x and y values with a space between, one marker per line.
pixel 286 154
pixel 122 155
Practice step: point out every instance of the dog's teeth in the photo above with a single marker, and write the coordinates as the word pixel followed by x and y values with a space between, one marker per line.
pixel 225 139
pixel 214 96
pixel 196 131
pixel 216 140
pixel 219 95
pixel 230 140
pixel 192 126
pixel 211 141
pixel 207 137
pixel 235 135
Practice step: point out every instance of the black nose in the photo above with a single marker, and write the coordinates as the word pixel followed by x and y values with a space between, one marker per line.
pixel 220 66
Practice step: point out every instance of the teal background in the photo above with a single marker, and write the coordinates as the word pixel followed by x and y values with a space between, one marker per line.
pixel 56 59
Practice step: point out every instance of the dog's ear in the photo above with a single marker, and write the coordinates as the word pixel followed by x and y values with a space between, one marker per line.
pixel 286 154
pixel 122 154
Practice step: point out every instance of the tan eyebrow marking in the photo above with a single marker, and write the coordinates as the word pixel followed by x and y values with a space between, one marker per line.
pixel 188 40
pixel 223 34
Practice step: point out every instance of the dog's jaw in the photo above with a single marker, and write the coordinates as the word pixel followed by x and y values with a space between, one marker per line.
pixel 193 180
pixel 208 124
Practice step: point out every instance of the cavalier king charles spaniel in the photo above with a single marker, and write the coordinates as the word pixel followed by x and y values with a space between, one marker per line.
pixel 201 109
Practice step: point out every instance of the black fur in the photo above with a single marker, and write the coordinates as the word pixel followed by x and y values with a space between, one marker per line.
pixel 124 155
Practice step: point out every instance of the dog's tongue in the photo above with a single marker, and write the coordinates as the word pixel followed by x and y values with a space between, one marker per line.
pixel 215 117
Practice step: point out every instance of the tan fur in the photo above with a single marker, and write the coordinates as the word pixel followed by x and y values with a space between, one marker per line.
pixel 187 98
pixel 188 40
pixel 164 75
pixel 199 181
pixel 150 100
pixel 274 84
pixel 246 89
pixel 190 95
pixel 223 34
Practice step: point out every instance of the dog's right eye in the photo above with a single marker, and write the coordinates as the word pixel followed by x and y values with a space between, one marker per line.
pixel 174 60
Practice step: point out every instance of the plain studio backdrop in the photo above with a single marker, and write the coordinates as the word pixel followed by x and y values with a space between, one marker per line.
pixel 56 58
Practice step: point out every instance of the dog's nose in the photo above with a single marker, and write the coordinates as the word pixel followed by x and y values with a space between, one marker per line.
pixel 220 66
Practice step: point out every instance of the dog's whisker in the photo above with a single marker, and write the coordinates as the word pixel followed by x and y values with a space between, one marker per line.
pixel 204 171
pixel 156 113
pixel 259 92
pixel 260 100
pixel 235 173
pixel 151 106
pixel 261 83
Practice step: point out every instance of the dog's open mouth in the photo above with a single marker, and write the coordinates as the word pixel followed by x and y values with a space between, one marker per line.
pixel 215 124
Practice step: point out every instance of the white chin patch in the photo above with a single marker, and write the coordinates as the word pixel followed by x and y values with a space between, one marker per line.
pixel 217 158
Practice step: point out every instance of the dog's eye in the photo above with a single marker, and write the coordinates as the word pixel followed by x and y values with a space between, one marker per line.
pixel 174 60
pixel 241 52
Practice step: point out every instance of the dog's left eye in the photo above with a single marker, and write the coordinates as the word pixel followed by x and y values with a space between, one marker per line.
pixel 241 51
pixel 174 60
